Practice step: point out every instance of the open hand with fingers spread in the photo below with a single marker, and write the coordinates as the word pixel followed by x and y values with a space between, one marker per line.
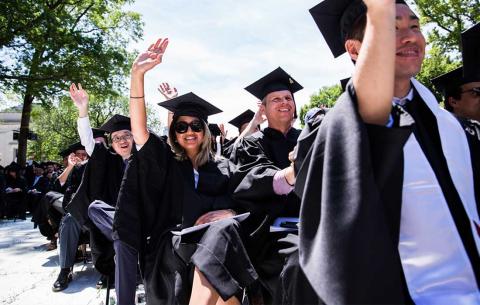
pixel 167 91
pixel 223 132
pixel 80 99
pixel 153 56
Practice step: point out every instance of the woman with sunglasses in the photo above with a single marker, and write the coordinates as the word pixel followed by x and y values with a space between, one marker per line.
pixel 177 185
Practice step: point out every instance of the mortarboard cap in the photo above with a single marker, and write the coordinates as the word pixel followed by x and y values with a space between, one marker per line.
pixel 64 153
pixel 190 104
pixel 97 133
pixel 447 82
pixel 243 118
pixel 471 54
pixel 336 18
pixel 277 80
pixel 214 130
pixel 116 123
pixel 76 146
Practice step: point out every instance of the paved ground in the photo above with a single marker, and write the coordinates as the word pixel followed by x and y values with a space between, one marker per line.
pixel 27 271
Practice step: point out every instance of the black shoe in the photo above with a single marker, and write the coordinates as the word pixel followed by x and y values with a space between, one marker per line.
pixel 102 282
pixel 63 279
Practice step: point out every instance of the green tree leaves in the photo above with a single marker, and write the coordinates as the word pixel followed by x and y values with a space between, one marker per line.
pixel 47 44
pixel 326 97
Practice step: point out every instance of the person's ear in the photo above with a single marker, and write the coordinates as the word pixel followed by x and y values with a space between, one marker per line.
pixel 452 102
pixel 353 48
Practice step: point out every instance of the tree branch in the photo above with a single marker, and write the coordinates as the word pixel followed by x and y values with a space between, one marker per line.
pixel 30 78
pixel 80 17
pixel 436 20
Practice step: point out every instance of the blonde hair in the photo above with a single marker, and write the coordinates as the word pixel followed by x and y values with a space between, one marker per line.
pixel 204 155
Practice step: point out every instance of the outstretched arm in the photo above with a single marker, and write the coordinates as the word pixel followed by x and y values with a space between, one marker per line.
pixel 80 100
pixel 143 63
pixel 375 67
pixel 72 161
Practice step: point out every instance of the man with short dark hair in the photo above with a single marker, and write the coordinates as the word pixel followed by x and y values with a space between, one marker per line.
pixel 389 204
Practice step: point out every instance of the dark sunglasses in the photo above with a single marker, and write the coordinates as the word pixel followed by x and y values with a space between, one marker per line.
pixel 182 127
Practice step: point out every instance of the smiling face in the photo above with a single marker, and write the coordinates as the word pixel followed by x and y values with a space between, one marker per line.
pixel 279 109
pixel 122 142
pixel 190 141
pixel 410 43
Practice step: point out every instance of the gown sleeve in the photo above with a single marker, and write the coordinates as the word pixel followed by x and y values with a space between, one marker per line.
pixel 92 183
pixel 254 171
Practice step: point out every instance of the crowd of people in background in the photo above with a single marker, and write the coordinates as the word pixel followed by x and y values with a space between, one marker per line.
pixel 36 190
pixel 376 200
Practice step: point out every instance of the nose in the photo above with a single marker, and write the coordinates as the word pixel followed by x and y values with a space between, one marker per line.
pixel 407 35
pixel 284 101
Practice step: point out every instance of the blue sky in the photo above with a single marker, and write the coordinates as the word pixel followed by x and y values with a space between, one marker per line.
pixel 219 47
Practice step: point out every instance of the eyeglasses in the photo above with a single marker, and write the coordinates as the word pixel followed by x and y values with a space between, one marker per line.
pixel 182 127
pixel 475 91
pixel 117 139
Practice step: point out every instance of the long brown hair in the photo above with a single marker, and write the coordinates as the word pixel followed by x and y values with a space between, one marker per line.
pixel 204 155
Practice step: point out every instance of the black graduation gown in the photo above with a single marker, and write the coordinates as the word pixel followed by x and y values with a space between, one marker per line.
pixel 258 158
pixel 101 181
pixel 15 205
pixel 227 147
pixel 157 196
pixel 72 184
pixel 351 190
pixel 34 199
pixel 2 194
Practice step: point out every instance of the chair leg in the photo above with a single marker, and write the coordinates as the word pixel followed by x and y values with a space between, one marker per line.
pixel 83 247
pixel 107 300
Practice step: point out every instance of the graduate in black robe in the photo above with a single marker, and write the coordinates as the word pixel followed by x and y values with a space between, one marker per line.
pixel 263 174
pixel 15 189
pixel 176 186
pixel 94 203
pixel 101 177
pixel 461 87
pixel 386 218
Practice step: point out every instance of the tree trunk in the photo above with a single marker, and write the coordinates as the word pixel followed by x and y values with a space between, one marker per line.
pixel 27 108
pixel 24 127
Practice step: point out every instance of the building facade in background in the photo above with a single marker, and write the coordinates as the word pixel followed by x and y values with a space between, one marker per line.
pixel 9 124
